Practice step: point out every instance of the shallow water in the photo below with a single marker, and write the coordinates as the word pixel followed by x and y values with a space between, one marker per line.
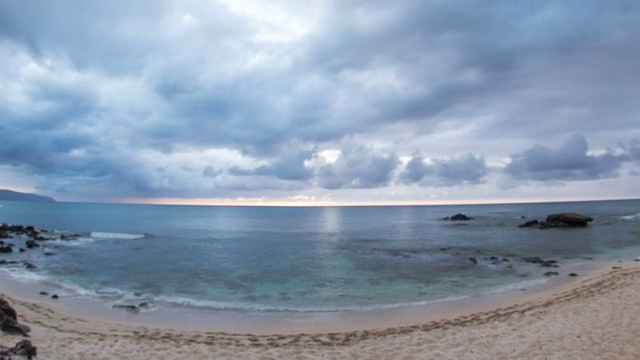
pixel 308 259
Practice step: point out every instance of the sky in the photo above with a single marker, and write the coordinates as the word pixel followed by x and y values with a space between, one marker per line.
pixel 320 102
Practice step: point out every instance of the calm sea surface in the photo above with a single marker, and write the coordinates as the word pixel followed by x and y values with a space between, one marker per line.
pixel 308 259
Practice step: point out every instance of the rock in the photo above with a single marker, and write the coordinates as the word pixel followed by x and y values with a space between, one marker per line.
pixel 458 217
pixel 549 263
pixel 29 265
pixel 22 250
pixel 551 273
pixel 44 293
pixel 55 296
pixel 559 220
pixel 473 260
pixel 143 304
pixel 6 249
pixel 69 236
pixel 9 320
pixel 532 223
pixel 568 219
pixel 31 244
pixel 533 260
pixel 573 274
pixel 7 310
pixel 24 349
pixel 128 308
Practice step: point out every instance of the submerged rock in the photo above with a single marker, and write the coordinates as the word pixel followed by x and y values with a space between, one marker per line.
pixel 532 223
pixel 129 308
pixel 69 236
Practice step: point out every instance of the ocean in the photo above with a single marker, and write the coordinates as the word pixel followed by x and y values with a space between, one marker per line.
pixel 307 259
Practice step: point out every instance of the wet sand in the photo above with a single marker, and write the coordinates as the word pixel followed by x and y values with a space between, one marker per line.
pixel 593 317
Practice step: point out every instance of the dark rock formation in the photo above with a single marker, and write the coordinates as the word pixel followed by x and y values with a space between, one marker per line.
pixel 551 273
pixel 32 244
pixel 458 217
pixel 22 350
pixel 9 320
pixel 533 260
pixel 6 249
pixel 568 219
pixel 562 220
pixel 532 223
pixel 540 261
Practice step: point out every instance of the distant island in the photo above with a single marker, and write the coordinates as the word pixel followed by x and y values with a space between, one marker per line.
pixel 18 196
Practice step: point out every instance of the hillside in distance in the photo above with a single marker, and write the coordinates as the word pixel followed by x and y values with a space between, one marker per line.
pixel 19 196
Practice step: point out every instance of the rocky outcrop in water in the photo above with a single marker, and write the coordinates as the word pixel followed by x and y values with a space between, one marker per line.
pixel 561 220
pixel 458 217
pixel 568 219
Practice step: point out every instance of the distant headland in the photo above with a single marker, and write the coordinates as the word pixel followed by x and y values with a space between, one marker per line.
pixel 18 196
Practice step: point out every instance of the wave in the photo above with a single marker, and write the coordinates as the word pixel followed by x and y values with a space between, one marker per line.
pixel 240 306
pixel 633 217
pixel 117 236
pixel 21 274
pixel 515 286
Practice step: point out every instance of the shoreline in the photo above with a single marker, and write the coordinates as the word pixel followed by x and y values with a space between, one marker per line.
pixel 189 318
pixel 599 309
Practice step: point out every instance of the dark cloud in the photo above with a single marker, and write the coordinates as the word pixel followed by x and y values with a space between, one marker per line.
pixel 358 167
pixel 569 162
pixel 465 169
pixel 291 166
pixel 114 91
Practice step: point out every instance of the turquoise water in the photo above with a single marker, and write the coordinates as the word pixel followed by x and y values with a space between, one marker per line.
pixel 308 259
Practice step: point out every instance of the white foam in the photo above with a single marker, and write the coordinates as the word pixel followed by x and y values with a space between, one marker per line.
pixel 21 274
pixel 515 286
pixel 241 306
pixel 120 236
pixel 631 217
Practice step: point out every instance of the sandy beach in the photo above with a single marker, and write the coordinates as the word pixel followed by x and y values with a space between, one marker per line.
pixel 593 317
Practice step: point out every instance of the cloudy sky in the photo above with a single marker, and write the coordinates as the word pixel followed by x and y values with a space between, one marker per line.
pixel 320 102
